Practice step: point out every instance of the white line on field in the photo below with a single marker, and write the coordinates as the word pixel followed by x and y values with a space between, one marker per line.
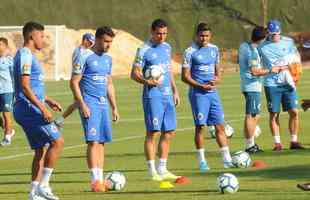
pixel 82 145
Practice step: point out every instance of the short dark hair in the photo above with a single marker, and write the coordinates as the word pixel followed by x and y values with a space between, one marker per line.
pixel 159 23
pixel 29 27
pixel 258 33
pixel 4 40
pixel 202 26
pixel 104 30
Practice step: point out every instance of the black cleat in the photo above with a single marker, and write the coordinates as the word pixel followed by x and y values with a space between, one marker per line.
pixel 254 149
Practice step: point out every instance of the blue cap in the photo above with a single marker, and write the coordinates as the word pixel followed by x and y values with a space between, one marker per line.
pixel 274 26
pixel 89 36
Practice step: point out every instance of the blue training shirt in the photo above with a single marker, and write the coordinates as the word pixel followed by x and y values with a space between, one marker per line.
pixel 201 61
pixel 274 54
pixel 248 57
pixel 6 74
pixel 25 63
pixel 155 54
pixel 95 70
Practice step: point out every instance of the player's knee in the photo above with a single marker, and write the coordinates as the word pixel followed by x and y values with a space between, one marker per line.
pixel 293 113
pixel 59 142
pixel 199 129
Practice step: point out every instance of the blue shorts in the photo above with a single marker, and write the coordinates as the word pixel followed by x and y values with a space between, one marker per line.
pixel 207 109
pixel 252 103
pixel 38 131
pixel 6 102
pixel 284 95
pixel 97 128
pixel 159 114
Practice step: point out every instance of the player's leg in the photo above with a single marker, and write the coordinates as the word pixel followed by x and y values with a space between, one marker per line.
pixel 200 109
pixel 153 113
pixel 6 108
pixel 37 168
pixel 216 118
pixel 251 120
pixel 289 102
pixel 167 133
pixel 273 97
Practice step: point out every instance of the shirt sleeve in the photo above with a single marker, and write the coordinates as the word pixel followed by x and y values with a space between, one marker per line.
pixel 78 63
pixel 139 59
pixel 25 62
pixel 217 61
pixel 110 66
pixel 187 59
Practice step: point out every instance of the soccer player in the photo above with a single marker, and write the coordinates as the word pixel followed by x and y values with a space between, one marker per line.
pixel 159 99
pixel 92 87
pixel 251 76
pixel 6 91
pixel 31 113
pixel 88 41
pixel 273 51
pixel 200 70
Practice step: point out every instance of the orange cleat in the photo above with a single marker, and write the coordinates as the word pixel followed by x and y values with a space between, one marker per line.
pixel 97 186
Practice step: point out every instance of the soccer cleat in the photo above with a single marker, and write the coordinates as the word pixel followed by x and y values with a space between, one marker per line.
pixel 97 186
pixel 46 192
pixel 305 186
pixel 296 145
pixel 228 165
pixel 7 141
pixel 254 149
pixel 277 147
pixel 156 177
pixel 168 176
pixel 203 167
pixel 34 196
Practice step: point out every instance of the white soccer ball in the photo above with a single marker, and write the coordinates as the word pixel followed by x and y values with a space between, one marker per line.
pixel 241 159
pixel 115 180
pixel 229 130
pixel 153 72
pixel 257 131
pixel 227 183
pixel 211 130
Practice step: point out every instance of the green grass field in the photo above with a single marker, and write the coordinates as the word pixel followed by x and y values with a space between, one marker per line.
pixel 71 178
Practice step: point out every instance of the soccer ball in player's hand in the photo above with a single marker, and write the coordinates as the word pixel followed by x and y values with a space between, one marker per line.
pixel 227 183
pixel 241 159
pixel 154 72
pixel 115 180
pixel 257 131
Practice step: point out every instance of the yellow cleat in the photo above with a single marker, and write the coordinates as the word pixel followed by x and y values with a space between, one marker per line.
pixel 169 176
pixel 165 185
pixel 156 177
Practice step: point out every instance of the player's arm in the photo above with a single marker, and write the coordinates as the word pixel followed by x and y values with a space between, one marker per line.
pixel 112 99
pixel 25 84
pixel 175 91
pixel 75 88
pixel 54 105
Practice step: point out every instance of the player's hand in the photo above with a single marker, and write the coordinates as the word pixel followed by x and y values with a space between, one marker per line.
pixel 47 115
pixel 305 104
pixel 115 115
pixel 176 99
pixel 54 105
pixel 85 110
pixel 275 69
pixel 215 81
pixel 152 82
pixel 208 86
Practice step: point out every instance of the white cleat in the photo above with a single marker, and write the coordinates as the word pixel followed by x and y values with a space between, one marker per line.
pixel 7 141
pixel 34 196
pixel 46 192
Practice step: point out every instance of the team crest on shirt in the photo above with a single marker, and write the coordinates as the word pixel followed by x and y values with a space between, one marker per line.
pixel 199 57
pixel 93 131
pixel 200 116
pixel 54 128
pixel 155 121
pixel 154 55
